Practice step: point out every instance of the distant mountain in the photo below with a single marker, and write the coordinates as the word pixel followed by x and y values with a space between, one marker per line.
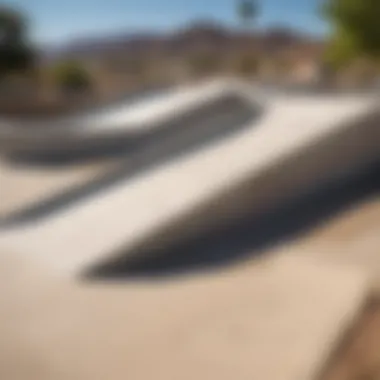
pixel 94 46
pixel 194 37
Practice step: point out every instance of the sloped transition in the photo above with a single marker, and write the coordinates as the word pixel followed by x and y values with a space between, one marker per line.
pixel 180 136
pixel 245 237
pixel 126 129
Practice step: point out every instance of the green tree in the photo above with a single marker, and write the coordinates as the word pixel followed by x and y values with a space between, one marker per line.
pixel 71 77
pixel 15 51
pixel 355 29
pixel 247 11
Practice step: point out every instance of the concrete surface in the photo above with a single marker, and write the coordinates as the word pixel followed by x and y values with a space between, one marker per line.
pixel 218 181
pixel 359 355
pixel 22 186
pixel 351 240
pixel 276 320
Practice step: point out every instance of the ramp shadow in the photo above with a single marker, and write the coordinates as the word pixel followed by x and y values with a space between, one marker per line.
pixel 245 238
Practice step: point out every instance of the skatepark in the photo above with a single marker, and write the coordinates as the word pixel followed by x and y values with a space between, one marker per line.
pixel 184 247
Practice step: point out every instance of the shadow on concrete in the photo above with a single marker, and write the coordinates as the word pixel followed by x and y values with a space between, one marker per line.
pixel 182 136
pixel 246 238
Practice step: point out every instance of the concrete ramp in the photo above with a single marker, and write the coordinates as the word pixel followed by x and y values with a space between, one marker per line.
pixel 299 143
pixel 127 126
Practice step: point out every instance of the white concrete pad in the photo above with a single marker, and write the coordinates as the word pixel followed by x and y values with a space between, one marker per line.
pixel 275 321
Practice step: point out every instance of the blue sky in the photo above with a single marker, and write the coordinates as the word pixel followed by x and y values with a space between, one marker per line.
pixel 59 20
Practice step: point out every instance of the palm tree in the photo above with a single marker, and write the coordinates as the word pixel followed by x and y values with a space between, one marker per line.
pixel 247 11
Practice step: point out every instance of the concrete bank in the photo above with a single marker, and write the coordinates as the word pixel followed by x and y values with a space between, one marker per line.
pixel 298 144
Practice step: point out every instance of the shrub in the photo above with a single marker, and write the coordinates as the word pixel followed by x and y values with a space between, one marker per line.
pixel 247 65
pixel 72 77
pixel 204 64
